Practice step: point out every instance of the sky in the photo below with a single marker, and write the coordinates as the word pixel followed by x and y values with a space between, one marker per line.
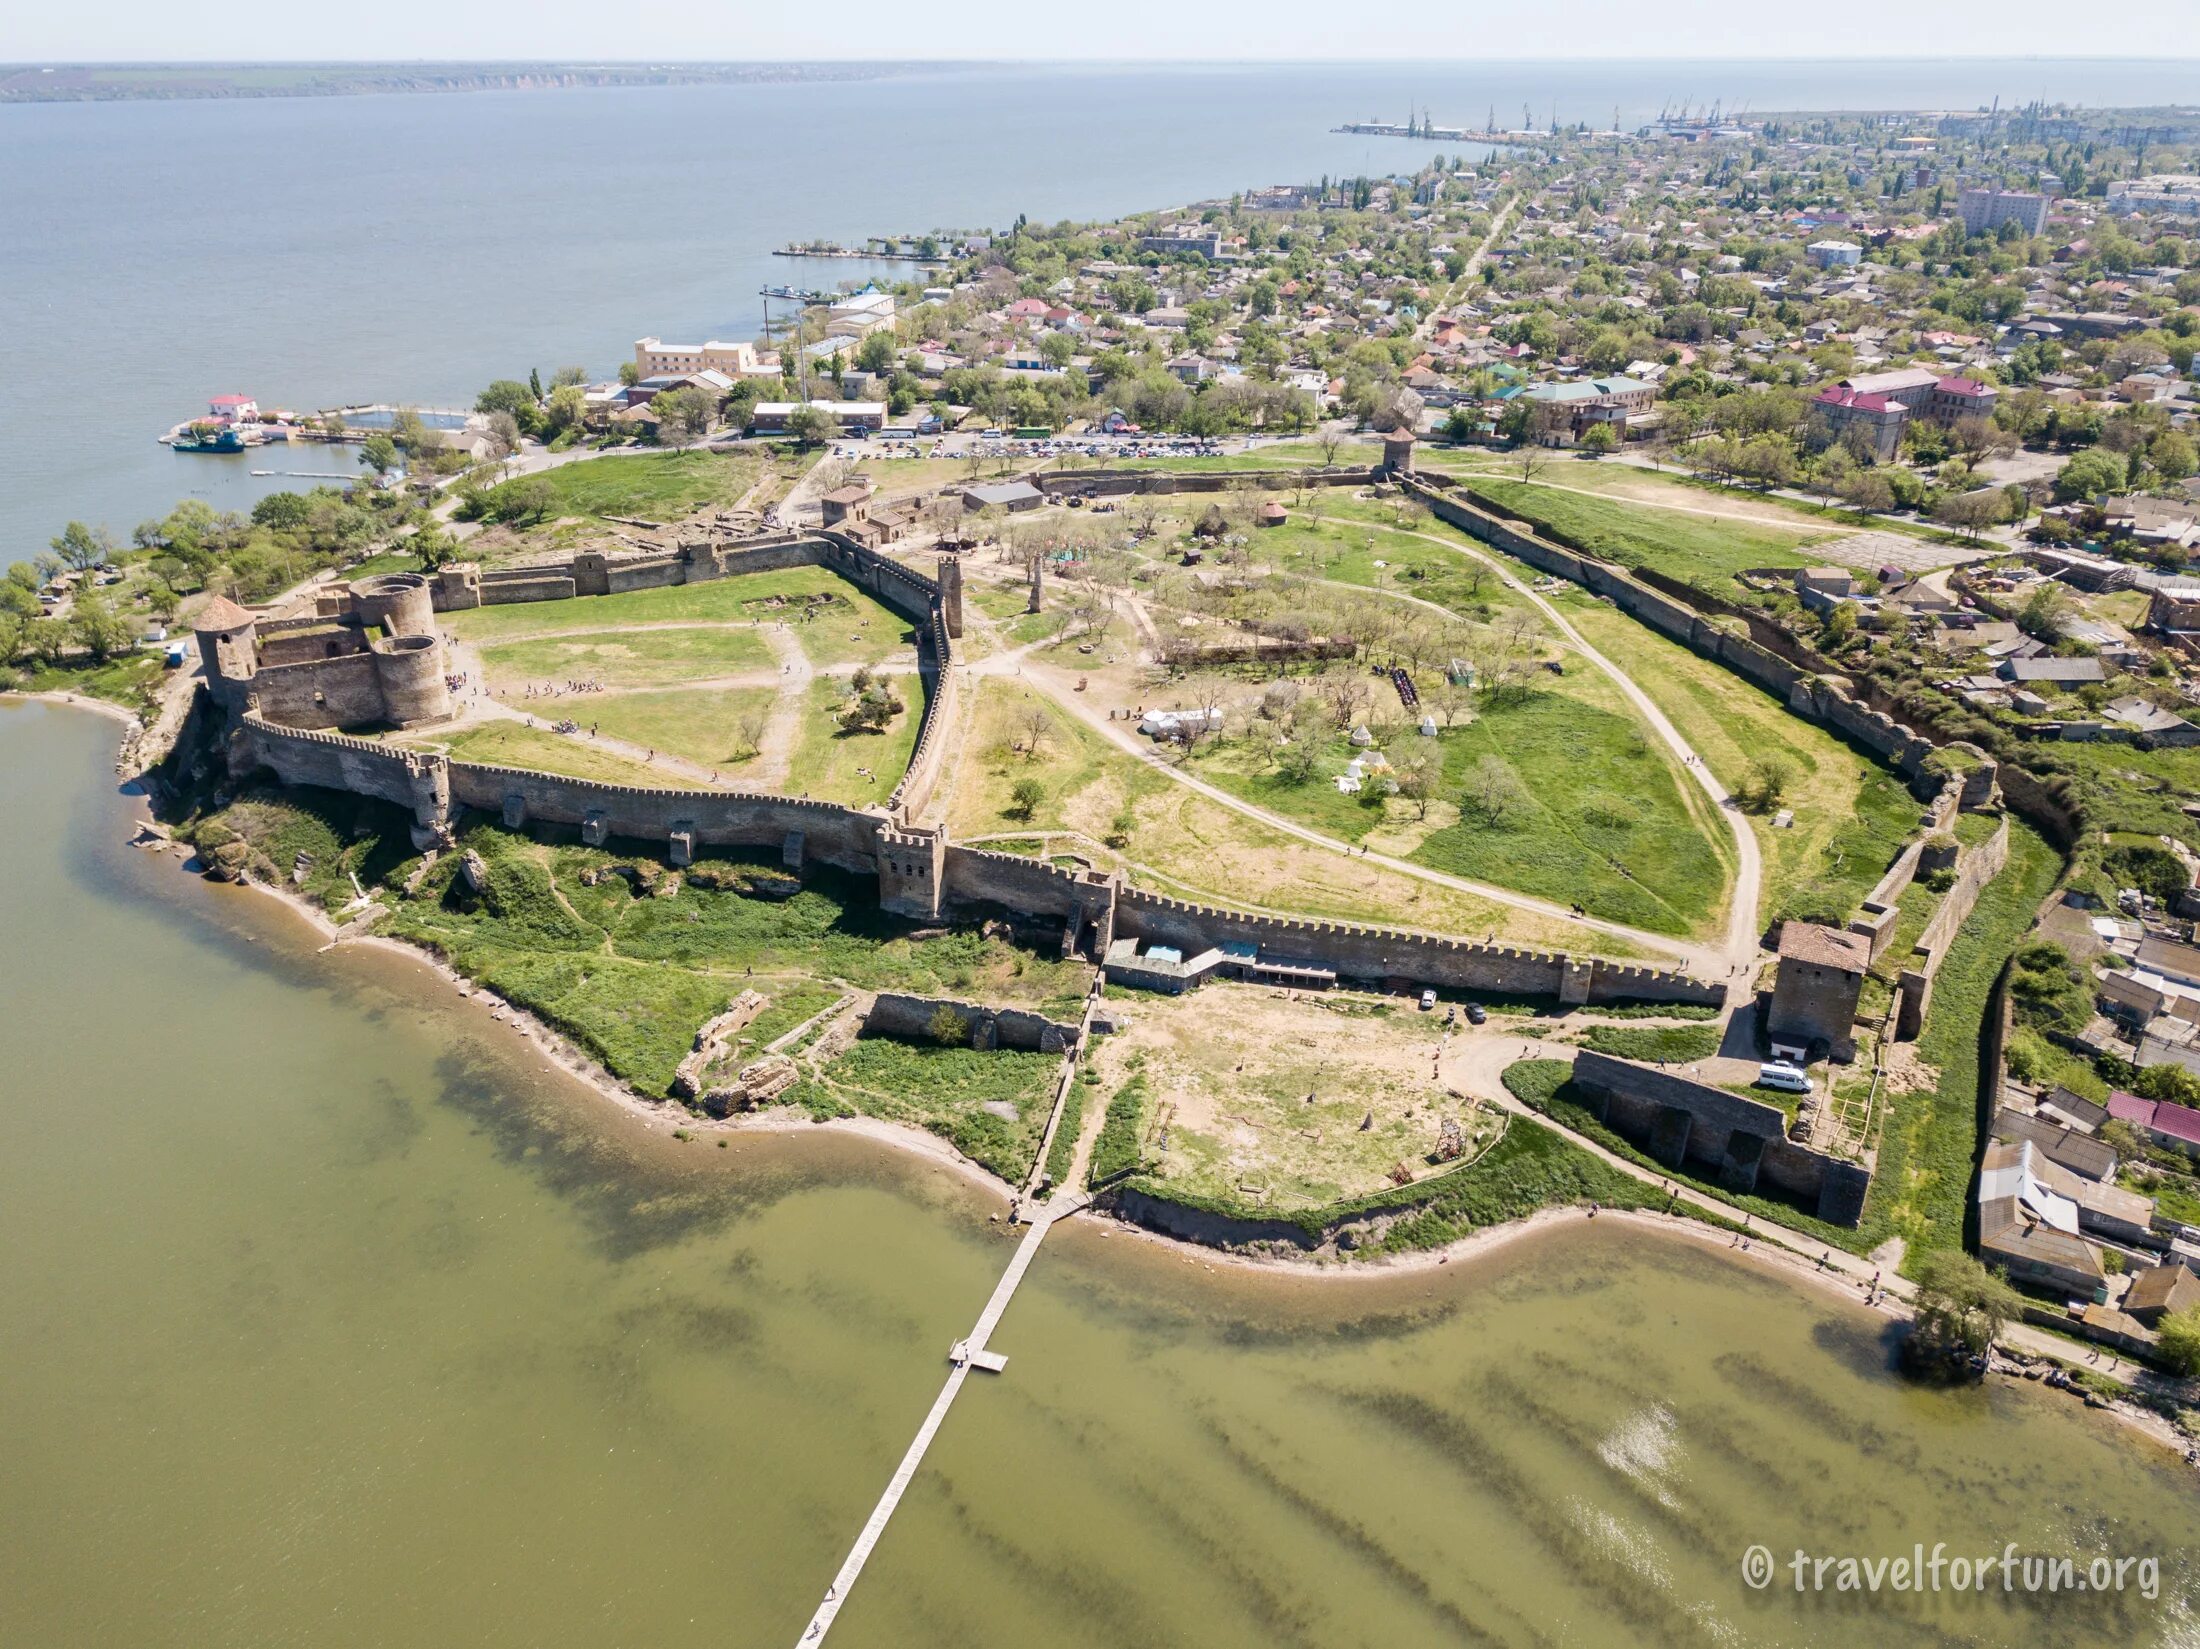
pixel 672 30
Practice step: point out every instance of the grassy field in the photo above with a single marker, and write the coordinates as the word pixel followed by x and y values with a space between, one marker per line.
pixel 513 744
pixel 702 724
pixel 1593 811
pixel 748 598
pixel 624 658
pixel 1285 1107
pixel 1678 1043
pixel 1851 814
pixel 1702 550
pixel 1358 543
pixel 1173 840
pixel 958 1093
pixel 651 486
pixel 834 765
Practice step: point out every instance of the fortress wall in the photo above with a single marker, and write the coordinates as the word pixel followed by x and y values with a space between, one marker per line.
pixel 833 834
pixel 942 690
pixel 1124 483
pixel 1032 887
pixel 333 761
pixel 1975 868
pixel 328 692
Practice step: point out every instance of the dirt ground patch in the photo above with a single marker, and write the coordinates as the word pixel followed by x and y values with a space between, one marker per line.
pixel 1286 1101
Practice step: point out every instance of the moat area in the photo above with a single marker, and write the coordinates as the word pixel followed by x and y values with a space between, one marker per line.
pixel 335 1319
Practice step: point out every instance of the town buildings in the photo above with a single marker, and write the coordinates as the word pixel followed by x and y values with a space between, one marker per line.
pixel 1986 210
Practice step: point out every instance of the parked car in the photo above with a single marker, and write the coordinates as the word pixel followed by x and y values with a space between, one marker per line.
pixel 1477 1014
pixel 1789 1079
pixel 1428 1001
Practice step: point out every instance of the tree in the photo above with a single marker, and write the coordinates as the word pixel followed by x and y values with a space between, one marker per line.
pixel 876 352
pixel 1416 779
pixel 82 548
pixel 1961 1307
pixel 98 628
pixel 684 415
pixel 1971 513
pixel 812 426
pixel 568 377
pixel 1599 439
pixel 2043 615
pixel 1492 790
pixel 2091 473
pixel 378 453
pixel 1025 799
pixel 1765 784
pixel 568 406
pixel 507 395
pixel 433 546
pixel 947 1027
pixel 530 498
pixel 2180 1348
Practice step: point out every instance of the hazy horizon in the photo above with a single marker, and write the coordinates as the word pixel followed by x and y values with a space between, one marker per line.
pixel 1227 31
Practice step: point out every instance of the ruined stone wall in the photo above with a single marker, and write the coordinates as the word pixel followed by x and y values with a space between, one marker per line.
pixel 910 1019
pixel 1739 1143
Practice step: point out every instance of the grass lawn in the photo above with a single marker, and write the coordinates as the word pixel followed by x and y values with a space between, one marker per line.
pixel 1593 811
pixel 1852 815
pixel 746 598
pixel 652 486
pixel 1699 549
pixel 1174 840
pixel 512 744
pixel 703 724
pixel 1678 1043
pixel 624 658
pixel 1353 543
pixel 856 769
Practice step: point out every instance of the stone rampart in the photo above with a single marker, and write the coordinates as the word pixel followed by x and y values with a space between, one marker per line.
pixel 1117 483
pixel 914 1019
pixel 1738 1143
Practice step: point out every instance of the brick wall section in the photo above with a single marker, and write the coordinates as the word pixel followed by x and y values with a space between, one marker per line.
pixel 1739 1143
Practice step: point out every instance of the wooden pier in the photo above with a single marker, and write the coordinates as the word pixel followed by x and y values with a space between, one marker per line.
pixel 966 1354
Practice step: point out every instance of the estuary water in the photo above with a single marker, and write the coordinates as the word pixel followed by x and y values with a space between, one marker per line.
pixel 317 252
pixel 330 1318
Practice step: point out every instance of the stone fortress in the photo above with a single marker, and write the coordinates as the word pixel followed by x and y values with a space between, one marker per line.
pixel 371 654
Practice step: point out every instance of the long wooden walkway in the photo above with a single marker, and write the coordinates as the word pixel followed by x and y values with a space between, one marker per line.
pixel 966 1354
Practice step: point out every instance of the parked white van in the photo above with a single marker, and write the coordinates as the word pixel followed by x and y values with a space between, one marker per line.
pixel 1787 1078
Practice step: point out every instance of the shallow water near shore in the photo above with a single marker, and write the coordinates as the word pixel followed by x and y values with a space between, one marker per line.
pixel 334 1318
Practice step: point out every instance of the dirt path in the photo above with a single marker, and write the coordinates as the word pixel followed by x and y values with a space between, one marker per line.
pixel 783 733
pixel 1736 958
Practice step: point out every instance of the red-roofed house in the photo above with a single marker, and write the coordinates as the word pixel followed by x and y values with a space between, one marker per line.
pixel 1954 399
pixel 2176 1127
pixel 1880 417
pixel 232 408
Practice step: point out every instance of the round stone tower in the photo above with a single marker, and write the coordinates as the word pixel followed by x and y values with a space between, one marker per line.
pixel 410 669
pixel 401 601
pixel 229 648
pixel 1398 452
